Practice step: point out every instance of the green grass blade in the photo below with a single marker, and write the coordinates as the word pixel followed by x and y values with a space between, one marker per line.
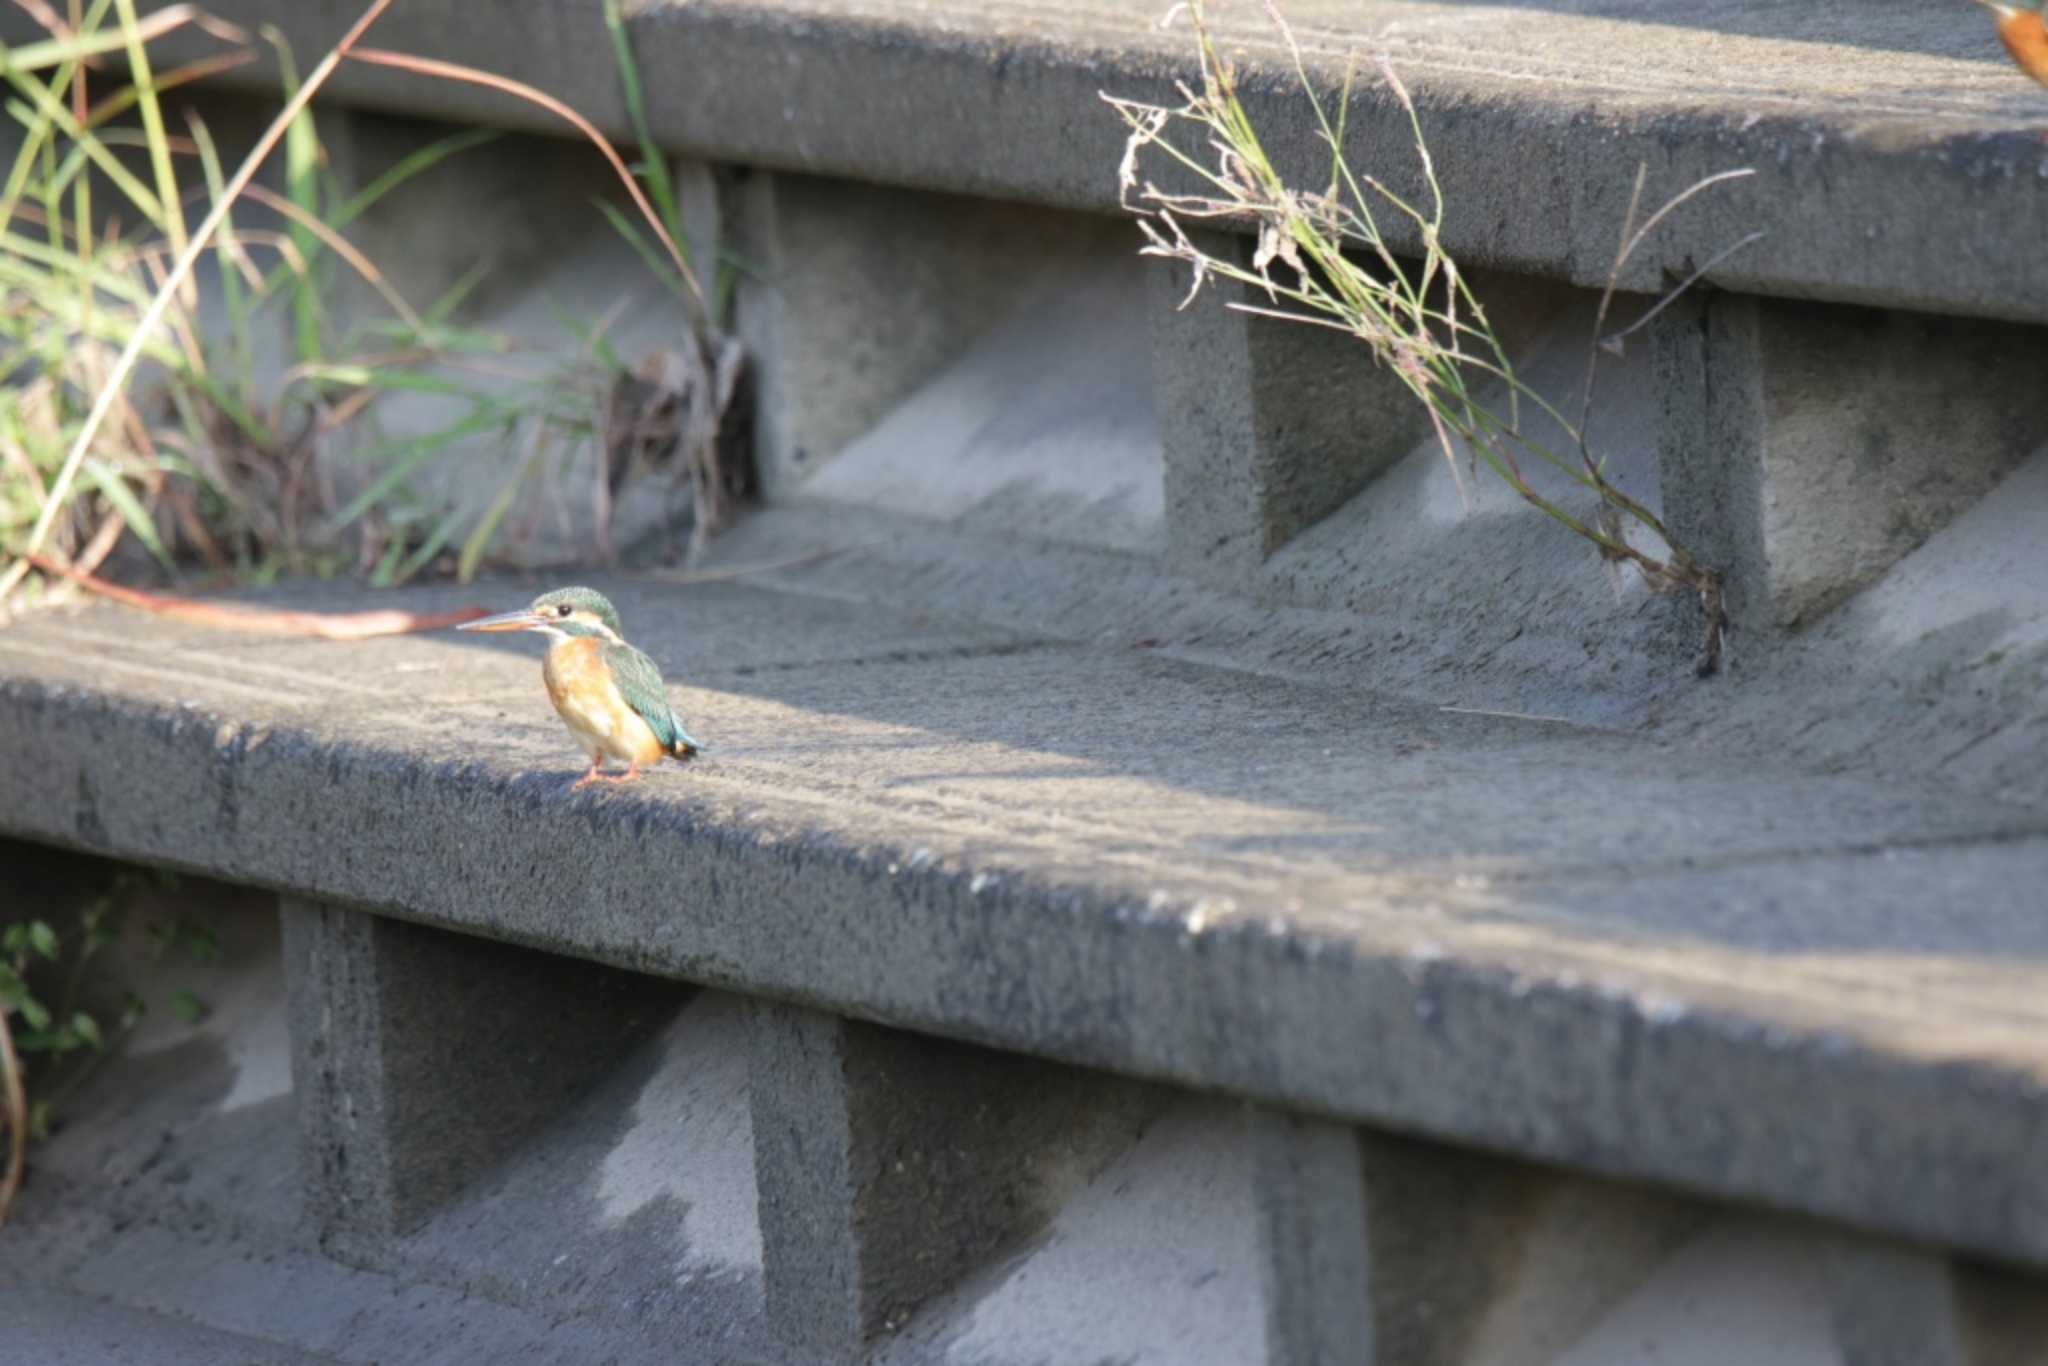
pixel 455 340
pixel 387 564
pixel 588 336
pixel 48 107
pixel 437 539
pixel 486 530
pixel 387 377
pixel 39 130
pixel 425 159
pixel 656 263
pixel 452 297
pixel 115 490
pixel 302 187
pixel 654 166
pixel 16 250
pixel 234 293
pixel 139 76
pixel 412 453
pixel 62 51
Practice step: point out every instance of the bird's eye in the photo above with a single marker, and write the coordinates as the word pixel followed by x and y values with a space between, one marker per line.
pixel 564 610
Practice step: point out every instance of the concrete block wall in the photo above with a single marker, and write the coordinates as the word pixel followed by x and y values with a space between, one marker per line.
pixel 420 1057
pixel 1267 426
pixel 856 294
pixel 889 1166
pixel 1800 448
pixel 1808 447
pixel 898 1178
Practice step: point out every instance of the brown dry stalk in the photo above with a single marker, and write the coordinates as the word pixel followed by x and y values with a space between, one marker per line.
pixel 453 71
pixel 1423 322
pixel 17 1118
pixel 342 247
pixel 266 620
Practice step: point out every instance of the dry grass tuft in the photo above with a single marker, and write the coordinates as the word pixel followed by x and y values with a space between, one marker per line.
pixel 1323 260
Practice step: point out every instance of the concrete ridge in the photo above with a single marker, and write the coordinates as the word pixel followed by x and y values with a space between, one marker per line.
pixel 1899 158
pixel 1007 848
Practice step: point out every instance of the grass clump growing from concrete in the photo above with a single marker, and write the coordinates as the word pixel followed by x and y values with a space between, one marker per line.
pixel 197 461
pixel 1323 260
pixel 132 406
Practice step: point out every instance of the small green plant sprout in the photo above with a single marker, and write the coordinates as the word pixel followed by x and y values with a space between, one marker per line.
pixel 61 1015
pixel 42 1023
pixel 1322 259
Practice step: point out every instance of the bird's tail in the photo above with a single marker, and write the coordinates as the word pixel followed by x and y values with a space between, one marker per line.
pixel 684 747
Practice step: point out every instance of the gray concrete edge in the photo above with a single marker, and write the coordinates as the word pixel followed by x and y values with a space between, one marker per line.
pixel 1853 208
pixel 1709 1100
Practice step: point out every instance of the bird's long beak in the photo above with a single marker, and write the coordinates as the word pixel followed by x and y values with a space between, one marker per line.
pixel 521 620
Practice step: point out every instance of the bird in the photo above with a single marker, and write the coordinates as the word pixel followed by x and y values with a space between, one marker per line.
pixel 610 695
pixel 2023 28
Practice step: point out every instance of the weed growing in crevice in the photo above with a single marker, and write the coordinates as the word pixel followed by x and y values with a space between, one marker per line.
pixel 59 1020
pixel 1322 260
pixel 131 405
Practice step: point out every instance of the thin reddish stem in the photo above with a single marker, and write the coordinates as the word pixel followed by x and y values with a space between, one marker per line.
pixel 454 71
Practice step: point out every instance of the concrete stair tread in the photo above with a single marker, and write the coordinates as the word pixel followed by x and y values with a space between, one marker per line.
pixel 1898 154
pixel 1573 944
pixel 1837 62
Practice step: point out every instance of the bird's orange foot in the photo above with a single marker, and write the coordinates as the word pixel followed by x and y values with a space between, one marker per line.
pixel 597 776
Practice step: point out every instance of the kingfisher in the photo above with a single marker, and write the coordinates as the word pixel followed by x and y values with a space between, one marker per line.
pixel 2023 28
pixel 609 694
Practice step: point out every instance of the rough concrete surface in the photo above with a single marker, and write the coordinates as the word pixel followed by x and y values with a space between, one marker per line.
pixel 858 294
pixel 1046 421
pixel 1897 151
pixel 420 1057
pixel 1154 1260
pixel 46 1327
pixel 997 773
pixel 1268 426
pixel 622 1231
pixel 890 1164
pixel 1640 957
pixel 1808 447
pixel 1454 588
pixel 1315 1232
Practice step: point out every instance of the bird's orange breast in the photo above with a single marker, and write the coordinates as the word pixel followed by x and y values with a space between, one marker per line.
pixel 581 687
pixel 2025 34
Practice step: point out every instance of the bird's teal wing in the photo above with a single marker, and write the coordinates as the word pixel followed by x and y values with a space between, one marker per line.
pixel 639 682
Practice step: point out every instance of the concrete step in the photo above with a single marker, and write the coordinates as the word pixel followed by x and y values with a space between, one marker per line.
pixel 1640 958
pixel 1897 152
pixel 638 1223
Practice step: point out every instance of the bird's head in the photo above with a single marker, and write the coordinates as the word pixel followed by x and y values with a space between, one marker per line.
pixel 562 615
